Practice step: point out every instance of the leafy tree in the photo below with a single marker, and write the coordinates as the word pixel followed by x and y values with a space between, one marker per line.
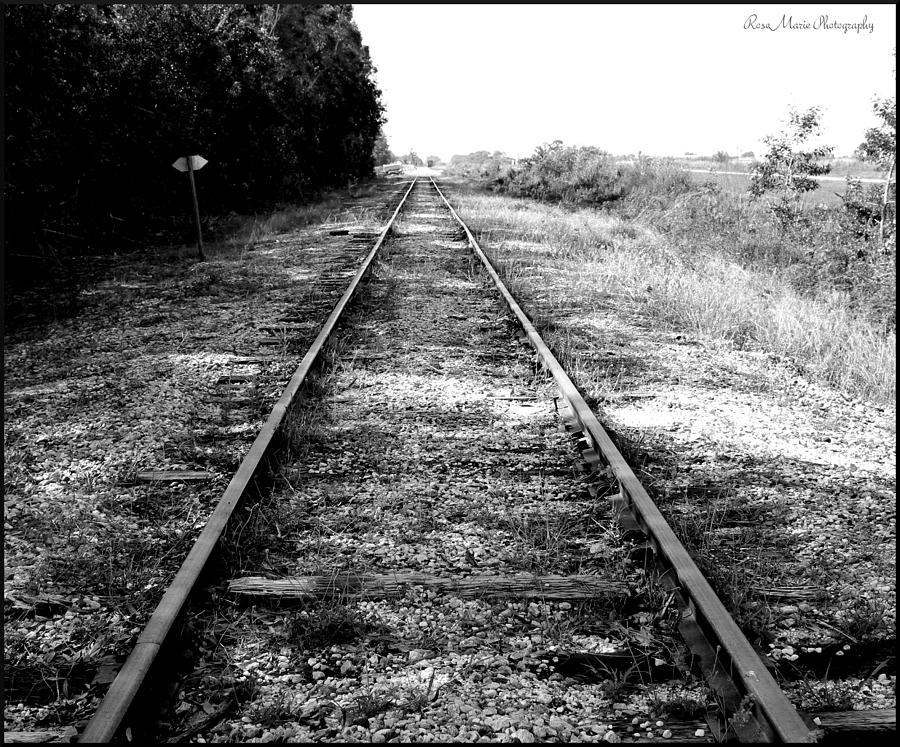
pixel 721 157
pixel 329 93
pixel 381 153
pixel 748 154
pixel 786 169
pixel 100 100
pixel 880 147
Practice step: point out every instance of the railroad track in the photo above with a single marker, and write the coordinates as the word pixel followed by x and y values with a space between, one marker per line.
pixel 424 515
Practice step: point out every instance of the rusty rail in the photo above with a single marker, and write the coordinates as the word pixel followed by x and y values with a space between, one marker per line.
pixel 121 695
pixel 779 719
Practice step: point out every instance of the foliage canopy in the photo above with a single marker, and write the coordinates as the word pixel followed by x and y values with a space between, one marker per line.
pixel 100 100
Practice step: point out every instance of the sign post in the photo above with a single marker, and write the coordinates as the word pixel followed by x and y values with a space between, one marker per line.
pixel 192 164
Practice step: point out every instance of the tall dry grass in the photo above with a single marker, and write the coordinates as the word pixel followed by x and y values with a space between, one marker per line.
pixel 238 233
pixel 589 255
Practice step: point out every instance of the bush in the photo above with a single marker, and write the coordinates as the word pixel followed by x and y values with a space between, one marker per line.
pixel 821 251
pixel 590 176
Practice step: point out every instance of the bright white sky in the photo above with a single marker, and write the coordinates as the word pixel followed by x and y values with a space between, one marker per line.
pixel 659 79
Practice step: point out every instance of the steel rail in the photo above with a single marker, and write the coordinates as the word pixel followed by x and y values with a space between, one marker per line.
pixel 121 695
pixel 752 675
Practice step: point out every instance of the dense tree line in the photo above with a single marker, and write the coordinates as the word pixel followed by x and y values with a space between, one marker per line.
pixel 100 100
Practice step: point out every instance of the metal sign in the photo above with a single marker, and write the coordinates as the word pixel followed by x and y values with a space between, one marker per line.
pixel 192 164
pixel 197 163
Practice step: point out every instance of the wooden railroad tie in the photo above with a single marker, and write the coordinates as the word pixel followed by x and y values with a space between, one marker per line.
pixel 872 724
pixel 48 736
pixel 557 588
pixel 173 475
pixel 243 360
pixel 285 326
pixel 235 378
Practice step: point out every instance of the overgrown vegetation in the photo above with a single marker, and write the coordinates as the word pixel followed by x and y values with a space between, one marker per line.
pixel 812 284
pixel 718 270
pixel 480 164
pixel 101 100
pixel 588 176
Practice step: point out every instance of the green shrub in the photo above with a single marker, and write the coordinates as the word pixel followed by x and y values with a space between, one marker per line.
pixel 590 176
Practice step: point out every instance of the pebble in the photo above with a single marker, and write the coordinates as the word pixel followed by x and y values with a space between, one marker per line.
pixel 499 723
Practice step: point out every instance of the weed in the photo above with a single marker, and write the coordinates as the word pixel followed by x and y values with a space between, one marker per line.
pixel 543 540
pixel 825 694
pixel 865 616
pixel 614 684
pixel 324 623
pixel 679 703
pixel 271 713
pixel 419 699
pixel 370 704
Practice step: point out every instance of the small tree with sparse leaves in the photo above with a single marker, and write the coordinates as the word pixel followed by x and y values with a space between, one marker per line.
pixel 880 147
pixel 787 170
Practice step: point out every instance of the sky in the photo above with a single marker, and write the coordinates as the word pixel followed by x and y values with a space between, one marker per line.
pixel 662 80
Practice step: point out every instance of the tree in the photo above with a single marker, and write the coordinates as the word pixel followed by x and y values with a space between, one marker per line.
pixel 381 154
pixel 101 99
pixel 786 169
pixel 721 157
pixel 880 147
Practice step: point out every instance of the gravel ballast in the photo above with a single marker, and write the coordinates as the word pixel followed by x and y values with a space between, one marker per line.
pixel 433 446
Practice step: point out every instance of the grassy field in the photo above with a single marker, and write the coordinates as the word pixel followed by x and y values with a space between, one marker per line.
pixel 828 194
pixel 840 167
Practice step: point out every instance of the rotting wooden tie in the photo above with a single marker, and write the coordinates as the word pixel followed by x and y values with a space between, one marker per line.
pixel 285 326
pixel 248 360
pixel 48 736
pixel 235 378
pixel 870 722
pixel 173 475
pixel 367 586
